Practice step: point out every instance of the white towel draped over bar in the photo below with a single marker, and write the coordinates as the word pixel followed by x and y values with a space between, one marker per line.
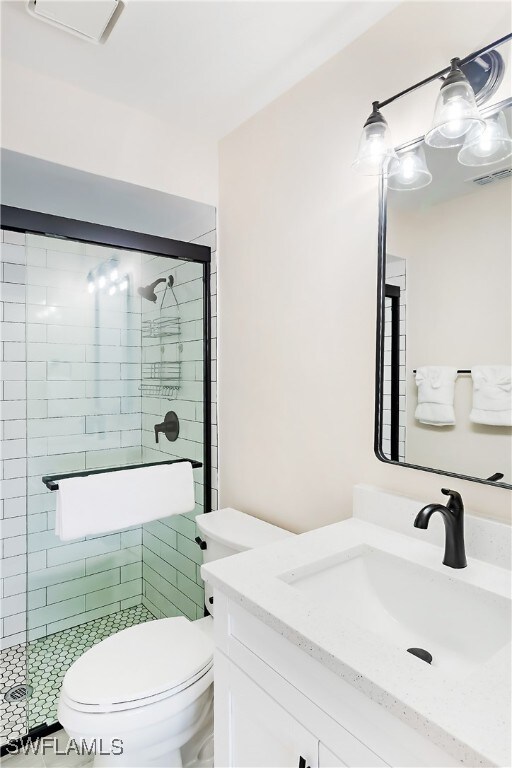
pixel 111 501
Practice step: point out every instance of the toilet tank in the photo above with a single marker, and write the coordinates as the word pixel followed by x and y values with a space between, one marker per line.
pixel 229 531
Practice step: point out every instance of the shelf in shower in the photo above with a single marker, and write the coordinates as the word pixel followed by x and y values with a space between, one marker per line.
pixel 160 379
pixel 160 327
pixel 169 391
pixel 52 481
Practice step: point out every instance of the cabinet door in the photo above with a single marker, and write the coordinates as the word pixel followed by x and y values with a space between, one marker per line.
pixel 262 733
pixel 327 759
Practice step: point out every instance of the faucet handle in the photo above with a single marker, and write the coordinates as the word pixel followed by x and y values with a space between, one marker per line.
pixel 455 501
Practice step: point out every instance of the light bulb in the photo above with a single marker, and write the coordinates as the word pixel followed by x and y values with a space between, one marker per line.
pixel 456 111
pixel 408 169
pixel 102 280
pixel 486 142
pixel 124 285
pixel 90 282
pixel 492 146
pixel 375 146
pixel 454 125
pixel 112 290
pixel 113 275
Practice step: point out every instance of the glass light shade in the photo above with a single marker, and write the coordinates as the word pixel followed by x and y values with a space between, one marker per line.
pixel 409 170
pixel 456 112
pixel 375 146
pixel 491 146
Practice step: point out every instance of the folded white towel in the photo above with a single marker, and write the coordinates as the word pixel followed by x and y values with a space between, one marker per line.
pixel 492 395
pixel 436 390
pixel 111 501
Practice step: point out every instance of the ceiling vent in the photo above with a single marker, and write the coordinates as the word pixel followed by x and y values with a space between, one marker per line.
pixel 505 173
pixel 92 21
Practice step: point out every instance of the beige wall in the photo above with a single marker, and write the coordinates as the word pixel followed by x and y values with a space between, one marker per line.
pixel 298 233
pixel 458 256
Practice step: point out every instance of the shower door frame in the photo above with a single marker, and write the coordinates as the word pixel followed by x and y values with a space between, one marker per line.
pixel 33 222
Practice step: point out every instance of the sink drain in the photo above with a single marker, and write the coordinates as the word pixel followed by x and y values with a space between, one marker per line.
pixel 18 693
pixel 421 653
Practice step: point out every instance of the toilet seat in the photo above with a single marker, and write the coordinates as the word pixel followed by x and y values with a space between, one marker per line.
pixel 138 666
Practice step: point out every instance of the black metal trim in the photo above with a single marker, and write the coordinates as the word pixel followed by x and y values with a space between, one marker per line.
pixel 379 346
pixel 393 292
pixel 379 353
pixel 22 220
pixel 39 732
pixel 442 72
pixel 207 384
pixel 51 481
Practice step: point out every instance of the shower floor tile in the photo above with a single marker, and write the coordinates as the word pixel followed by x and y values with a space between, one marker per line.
pixel 48 660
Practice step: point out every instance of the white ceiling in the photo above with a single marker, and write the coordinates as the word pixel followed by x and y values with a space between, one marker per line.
pixel 204 66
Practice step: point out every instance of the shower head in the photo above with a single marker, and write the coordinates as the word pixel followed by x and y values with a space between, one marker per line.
pixel 148 291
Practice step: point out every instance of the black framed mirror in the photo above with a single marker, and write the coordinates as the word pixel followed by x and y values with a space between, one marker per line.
pixel 444 318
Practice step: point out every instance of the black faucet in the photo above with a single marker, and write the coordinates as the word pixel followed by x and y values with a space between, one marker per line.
pixel 453 517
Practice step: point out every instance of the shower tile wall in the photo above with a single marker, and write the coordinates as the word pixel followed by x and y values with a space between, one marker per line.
pixel 13 424
pixel 66 408
pixel 84 411
pixel 71 372
pixel 171 559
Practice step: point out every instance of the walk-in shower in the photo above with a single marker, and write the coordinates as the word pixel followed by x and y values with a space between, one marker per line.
pixel 90 367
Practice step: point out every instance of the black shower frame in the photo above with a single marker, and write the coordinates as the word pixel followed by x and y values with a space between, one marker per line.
pixel 33 222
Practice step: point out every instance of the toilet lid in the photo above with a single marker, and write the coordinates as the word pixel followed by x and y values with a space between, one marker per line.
pixel 140 662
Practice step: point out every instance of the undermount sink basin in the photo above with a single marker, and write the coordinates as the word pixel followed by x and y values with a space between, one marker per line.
pixel 410 606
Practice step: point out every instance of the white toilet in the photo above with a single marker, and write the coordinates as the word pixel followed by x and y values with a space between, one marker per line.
pixel 151 685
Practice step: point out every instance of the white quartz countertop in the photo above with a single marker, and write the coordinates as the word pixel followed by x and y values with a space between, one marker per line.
pixel 468 716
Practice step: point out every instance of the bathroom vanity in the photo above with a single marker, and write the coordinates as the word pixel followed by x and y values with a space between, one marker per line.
pixel 311 635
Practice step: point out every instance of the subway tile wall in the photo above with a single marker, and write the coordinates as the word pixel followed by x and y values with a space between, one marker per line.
pixel 171 559
pixel 395 275
pixel 71 372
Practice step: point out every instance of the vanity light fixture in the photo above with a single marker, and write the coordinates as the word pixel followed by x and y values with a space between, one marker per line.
pixel 491 146
pixel 409 170
pixel 456 111
pixel 375 145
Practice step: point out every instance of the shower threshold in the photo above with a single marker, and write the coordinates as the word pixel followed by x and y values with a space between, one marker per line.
pixel 48 660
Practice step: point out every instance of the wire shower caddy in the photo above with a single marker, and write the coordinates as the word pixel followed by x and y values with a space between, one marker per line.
pixel 162 378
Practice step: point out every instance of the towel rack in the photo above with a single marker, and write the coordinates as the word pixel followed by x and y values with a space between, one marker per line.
pixel 51 481
pixel 460 370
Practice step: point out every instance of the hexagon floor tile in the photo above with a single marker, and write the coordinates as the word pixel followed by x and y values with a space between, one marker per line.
pixel 43 664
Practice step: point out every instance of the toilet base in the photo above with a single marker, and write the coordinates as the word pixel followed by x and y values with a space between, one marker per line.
pixel 180 740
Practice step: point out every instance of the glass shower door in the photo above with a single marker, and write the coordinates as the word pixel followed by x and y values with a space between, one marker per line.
pixel 105 363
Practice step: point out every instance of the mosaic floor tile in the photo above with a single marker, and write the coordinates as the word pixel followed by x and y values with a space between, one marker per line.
pixel 48 660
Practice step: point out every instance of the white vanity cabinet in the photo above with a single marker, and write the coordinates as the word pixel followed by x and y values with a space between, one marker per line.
pixel 277 707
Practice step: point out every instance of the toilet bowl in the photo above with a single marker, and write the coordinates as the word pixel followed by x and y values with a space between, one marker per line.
pixel 144 696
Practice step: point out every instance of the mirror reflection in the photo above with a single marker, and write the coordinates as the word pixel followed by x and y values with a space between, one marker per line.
pixel 446 390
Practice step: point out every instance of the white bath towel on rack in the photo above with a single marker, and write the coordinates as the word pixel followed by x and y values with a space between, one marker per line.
pixel 492 395
pixel 111 501
pixel 436 391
